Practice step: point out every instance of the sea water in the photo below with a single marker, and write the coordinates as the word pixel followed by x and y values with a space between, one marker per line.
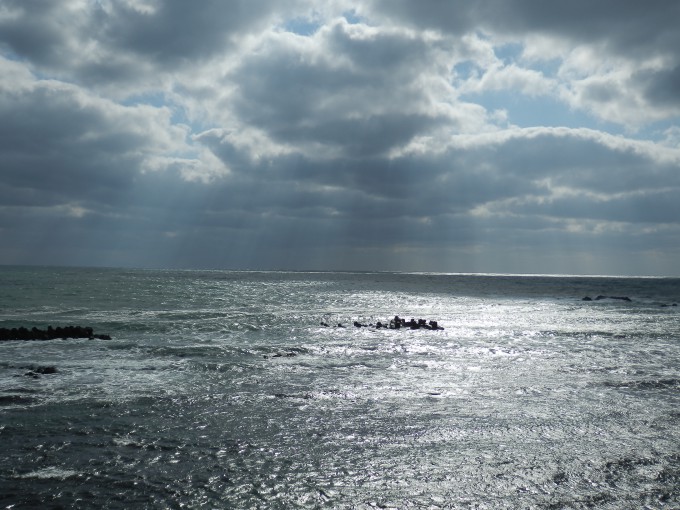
pixel 223 390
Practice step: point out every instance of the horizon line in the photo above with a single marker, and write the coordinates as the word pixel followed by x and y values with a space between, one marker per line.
pixel 347 271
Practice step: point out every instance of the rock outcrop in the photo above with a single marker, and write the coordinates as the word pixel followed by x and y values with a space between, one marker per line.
pixel 396 323
pixel 599 298
pixel 50 333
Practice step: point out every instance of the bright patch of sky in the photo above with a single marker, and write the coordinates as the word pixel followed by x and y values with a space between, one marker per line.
pixel 302 26
pixel 308 26
pixel 156 99
pixel 525 111
pixel 352 17
pixel 509 53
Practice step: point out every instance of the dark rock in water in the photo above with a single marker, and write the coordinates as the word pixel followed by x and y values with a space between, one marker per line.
pixel 396 323
pixel 281 355
pixel 435 325
pixel 50 333
pixel 587 298
pixel 36 372
pixel 622 298
pixel 46 370
pixel 289 395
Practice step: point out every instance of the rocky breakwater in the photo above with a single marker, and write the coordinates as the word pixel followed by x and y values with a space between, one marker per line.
pixel 23 333
pixel 396 323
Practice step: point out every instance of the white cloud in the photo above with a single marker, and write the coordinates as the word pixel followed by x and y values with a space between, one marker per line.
pixel 347 88
pixel 513 78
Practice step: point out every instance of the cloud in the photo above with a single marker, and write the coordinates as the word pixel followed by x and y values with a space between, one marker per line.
pixel 661 87
pixel 328 92
pixel 606 50
pixel 626 27
pixel 380 135
pixel 493 171
pixel 129 46
pixel 61 144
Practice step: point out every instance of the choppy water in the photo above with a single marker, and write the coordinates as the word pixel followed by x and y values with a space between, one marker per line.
pixel 221 390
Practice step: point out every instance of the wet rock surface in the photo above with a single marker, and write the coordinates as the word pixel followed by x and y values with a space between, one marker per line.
pixel 51 333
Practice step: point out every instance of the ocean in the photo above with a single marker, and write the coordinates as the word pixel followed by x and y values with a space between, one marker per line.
pixel 222 389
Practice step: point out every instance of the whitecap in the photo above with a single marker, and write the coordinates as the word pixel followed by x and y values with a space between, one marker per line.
pixel 51 472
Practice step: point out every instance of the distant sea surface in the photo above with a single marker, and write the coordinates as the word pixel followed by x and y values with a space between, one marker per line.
pixel 223 390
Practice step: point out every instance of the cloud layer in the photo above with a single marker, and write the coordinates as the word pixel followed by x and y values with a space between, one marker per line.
pixel 496 136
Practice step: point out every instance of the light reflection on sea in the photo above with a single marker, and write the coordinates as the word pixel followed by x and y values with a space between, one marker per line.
pixel 223 389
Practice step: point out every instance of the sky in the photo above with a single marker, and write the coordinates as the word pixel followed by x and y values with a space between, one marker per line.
pixel 495 136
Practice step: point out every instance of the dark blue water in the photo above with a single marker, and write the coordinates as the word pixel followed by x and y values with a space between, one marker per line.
pixel 222 390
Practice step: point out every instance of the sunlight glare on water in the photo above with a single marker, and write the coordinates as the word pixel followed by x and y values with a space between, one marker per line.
pixel 224 388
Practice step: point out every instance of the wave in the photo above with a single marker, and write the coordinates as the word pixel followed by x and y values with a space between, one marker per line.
pixel 651 384
pixel 50 472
